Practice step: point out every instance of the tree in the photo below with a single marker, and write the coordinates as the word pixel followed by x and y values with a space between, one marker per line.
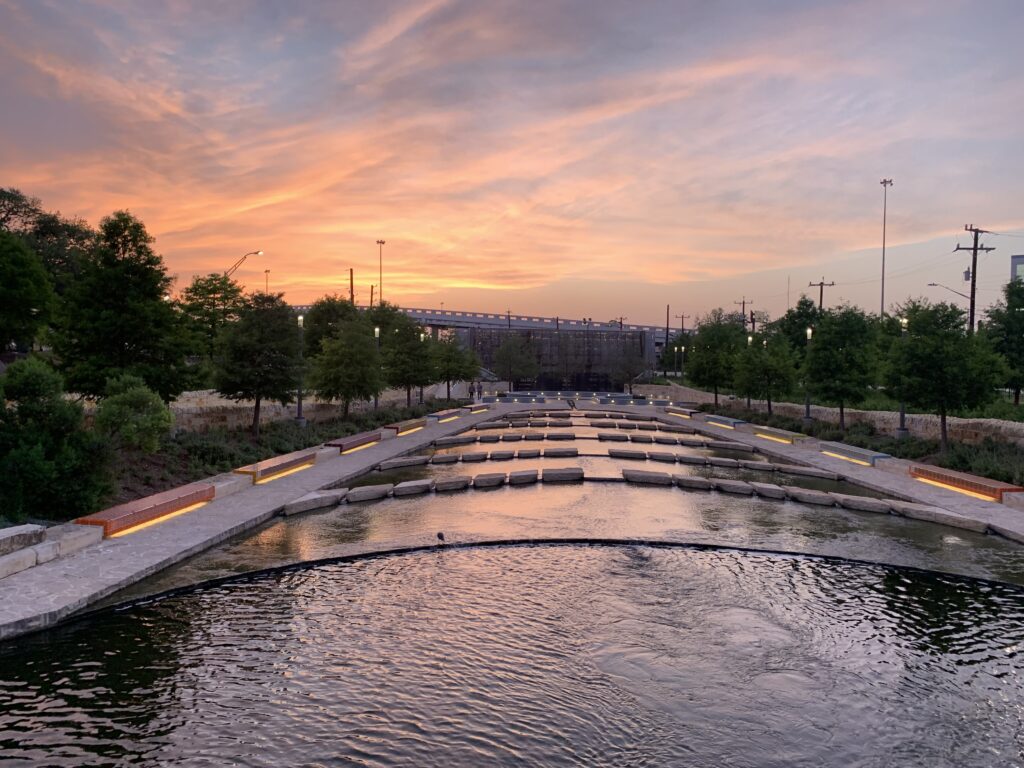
pixel 406 356
pixel 516 359
pixel 838 364
pixel 133 415
pixel 25 294
pixel 210 303
pixel 794 324
pixel 765 368
pixel 258 356
pixel 1005 330
pixel 348 365
pixel 453 362
pixel 51 467
pixel 939 365
pixel 629 363
pixel 116 318
pixel 324 319
pixel 712 351
pixel 18 211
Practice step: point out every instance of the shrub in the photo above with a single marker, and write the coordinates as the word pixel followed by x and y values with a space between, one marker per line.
pixel 133 415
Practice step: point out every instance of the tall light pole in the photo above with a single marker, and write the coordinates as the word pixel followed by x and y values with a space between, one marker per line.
pixel 951 290
pixel 807 393
pixel 266 281
pixel 231 270
pixel 376 337
pixel 298 412
pixel 901 431
pixel 886 183
pixel 682 365
pixel 423 337
pixel 380 271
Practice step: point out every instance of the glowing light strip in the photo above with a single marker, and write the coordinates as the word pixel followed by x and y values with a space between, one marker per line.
pixel 949 487
pixel 680 415
pixel 763 436
pixel 156 520
pixel 720 424
pixel 445 421
pixel 409 431
pixel 359 447
pixel 283 473
pixel 847 458
pixel 482 410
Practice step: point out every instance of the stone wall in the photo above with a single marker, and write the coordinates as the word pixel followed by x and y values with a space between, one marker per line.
pixel 923 425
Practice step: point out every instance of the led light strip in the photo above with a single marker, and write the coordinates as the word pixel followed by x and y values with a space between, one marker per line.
pixel 283 473
pixel 949 487
pixel 359 447
pixel 409 431
pixel 719 424
pixel 774 439
pixel 445 421
pixel 156 520
pixel 846 458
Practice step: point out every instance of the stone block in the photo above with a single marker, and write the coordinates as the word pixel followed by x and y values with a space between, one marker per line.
pixel 697 461
pixel 692 442
pixel 1014 500
pixel 225 485
pixel 769 490
pixel 732 486
pixel 666 440
pixel 562 475
pixel 489 480
pixel 807 496
pixel 627 425
pixel 936 515
pixel 561 453
pixel 17 561
pixel 402 461
pixel 413 487
pixel 641 439
pixel 797 469
pixel 72 537
pixel 528 453
pixel 663 456
pixel 621 453
pixel 325 454
pixel 719 461
pixel 456 440
pixel 861 503
pixel 489 438
pixel 474 456
pixel 502 455
pixel 522 477
pixel 1013 534
pixel 647 427
pixel 644 477
pixel 513 438
pixel 693 482
pixel 729 445
pixel 758 466
pixel 46 551
pixel 444 458
pixel 456 483
pixel 315 500
pixel 536 436
pixel 19 537
pixel 369 492
pixel 560 436
pixel 612 436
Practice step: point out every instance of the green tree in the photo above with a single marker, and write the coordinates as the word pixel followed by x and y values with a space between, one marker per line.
pixel 51 467
pixel 794 324
pixel 453 362
pixel 515 358
pixel 25 294
pixel 18 211
pixel 406 355
pixel 116 318
pixel 1005 329
pixel 209 303
pixel 765 368
pixel 258 357
pixel 629 363
pixel 324 319
pixel 132 415
pixel 838 364
pixel 348 366
pixel 939 365
pixel 711 354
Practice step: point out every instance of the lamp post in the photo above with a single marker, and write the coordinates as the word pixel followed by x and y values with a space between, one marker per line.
pixel 376 338
pixel 298 412
pixel 682 364
pixel 266 281
pixel 677 357
pixel 886 183
pixel 807 393
pixel 380 271
pixel 901 431
pixel 423 337
pixel 750 341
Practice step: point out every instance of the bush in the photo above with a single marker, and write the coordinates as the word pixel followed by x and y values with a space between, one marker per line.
pixel 133 415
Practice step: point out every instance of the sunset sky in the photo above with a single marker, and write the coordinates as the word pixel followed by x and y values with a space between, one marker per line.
pixel 564 158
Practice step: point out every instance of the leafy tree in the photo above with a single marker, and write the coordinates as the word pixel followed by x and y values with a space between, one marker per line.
pixel 939 365
pixel 51 467
pixel 115 318
pixel 712 351
pixel 765 368
pixel 629 363
pixel 258 356
pixel 209 304
pixel 516 359
pixel 838 364
pixel 407 360
pixel 324 319
pixel 348 366
pixel 132 414
pixel 1005 329
pixel 18 211
pixel 25 293
pixel 794 324
pixel 453 362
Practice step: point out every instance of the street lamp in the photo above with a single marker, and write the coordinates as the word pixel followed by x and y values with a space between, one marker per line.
pixel 750 341
pixel 298 413
pixel 380 271
pixel 807 392
pixel 677 358
pixel 682 363
pixel 901 431
pixel 423 337
pixel 951 290
pixel 376 338
pixel 886 183
pixel 231 270
pixel 266 281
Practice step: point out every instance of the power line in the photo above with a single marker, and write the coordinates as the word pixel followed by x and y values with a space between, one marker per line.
pixel 821 292
pixel 974 268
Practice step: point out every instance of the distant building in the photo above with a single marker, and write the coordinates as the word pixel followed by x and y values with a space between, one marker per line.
pixel 1017 267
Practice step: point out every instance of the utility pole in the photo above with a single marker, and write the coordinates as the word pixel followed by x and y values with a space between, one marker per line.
pixel 682 319
pixel 821 291
pixel 743 309
pixel 351 286
pixel 371 294
pixel 380 270
pixel 664 349
pixel 886 183
pixel 974 268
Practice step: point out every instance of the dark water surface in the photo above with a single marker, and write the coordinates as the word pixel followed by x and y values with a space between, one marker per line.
pixel 544 655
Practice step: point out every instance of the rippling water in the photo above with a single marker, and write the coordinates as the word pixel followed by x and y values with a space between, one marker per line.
pixel 547 655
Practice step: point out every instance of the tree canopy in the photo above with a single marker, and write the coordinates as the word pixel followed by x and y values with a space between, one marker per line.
pixel 711 354
pixel 209 303
pixel 26 297
pixel 453 362
pixel 516 359
pixel 1005 329
pixel 838 364
pixel 348 365
pixel 765 368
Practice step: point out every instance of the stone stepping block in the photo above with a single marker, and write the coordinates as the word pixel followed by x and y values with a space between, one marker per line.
pixel 369 492
pixel 413 487
pixel 535 436
pixel 861 503
pixel 692 442
pixel 492 425
pixel 559 436
pixel 603 424
pixel 797 469
pixel 758 466
pixel 538 423
pixel 444 458
pixel 502 455
pixel 641 439
pixel 693 482
pixel 627 425
pixel 511 438
pixel 490 438
pixel 489 480
pixel 647 427
pixel 676 429
pixel 697 461
pixel 719 461
pixel 728 445
pixel 315 500
pixel 456 483
pixel 561 453
pixel 474 456
pixel 612 436
pixel 936 515
pixel 560 424
pixel 666 440
pixel 21 559
pixel 528 453
pixel 807 496
pixel 668 458
pixel 71 538
pixel 522 477
pixel 732 486
pixel 19 537
pixel 403 461
pixel 619 453
pixel 562 475
pixel 769 490
pixel 456 440
pixel 643 477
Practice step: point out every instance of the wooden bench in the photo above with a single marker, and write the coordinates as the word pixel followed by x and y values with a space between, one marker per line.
pixel 123 517
pixel 972 485
pixel 268 469
pixel 728 422
pixel 444 416
pixel 778 435
pixel 356 442
pixel 851 453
